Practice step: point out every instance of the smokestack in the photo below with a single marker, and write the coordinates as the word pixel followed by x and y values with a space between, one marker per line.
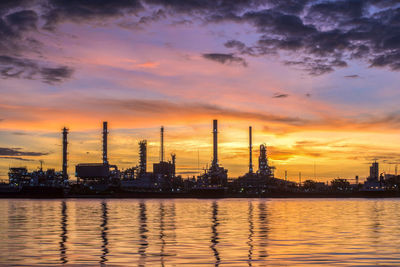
pixel 173 158
pixel 215 142
pixel 64 156
pixel 105 133
pixel 250 151
pixel 142 157
pixel 162 144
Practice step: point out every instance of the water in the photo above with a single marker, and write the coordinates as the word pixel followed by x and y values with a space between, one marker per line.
pixel 231 232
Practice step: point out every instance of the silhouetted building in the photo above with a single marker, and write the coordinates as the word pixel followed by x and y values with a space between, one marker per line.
pixel 263 168
pixel 142 157
pixel 374 171
pixel 65 154
pixel 98 173
pixel 215 175
pixel 250 151
pixel 373 183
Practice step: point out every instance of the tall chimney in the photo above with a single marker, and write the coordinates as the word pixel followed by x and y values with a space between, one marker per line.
pixel 215 142
pixel 250 151
pixel 173 158
pixel 162 144
pixel 64 156
pixel 142 157
pixel 105 133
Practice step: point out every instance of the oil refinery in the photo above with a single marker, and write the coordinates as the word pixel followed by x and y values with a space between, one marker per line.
pixel 106 179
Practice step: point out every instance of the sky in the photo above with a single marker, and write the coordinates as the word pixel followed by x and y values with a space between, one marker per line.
pixel 317 80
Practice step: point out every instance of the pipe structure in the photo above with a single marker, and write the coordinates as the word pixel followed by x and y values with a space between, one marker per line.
pixel 162 144
pixel 105 133
pixel 65 153
pixel 215 143
pixel 250 151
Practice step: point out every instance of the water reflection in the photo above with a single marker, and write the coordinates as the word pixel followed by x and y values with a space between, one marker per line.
pixel 143 244
pixel 233 232
pixel 172 224
pixel 162 235
pixel 104 232
pixel 214 236
pixel 64 232
pixel 251 233
pixel 263 224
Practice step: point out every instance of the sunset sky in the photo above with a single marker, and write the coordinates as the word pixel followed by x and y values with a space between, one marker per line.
pixel 318 81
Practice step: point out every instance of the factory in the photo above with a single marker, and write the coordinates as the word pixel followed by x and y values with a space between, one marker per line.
pixel 20 177
pixel 103 178
pixel 216 176
pixel 262 181
pixel 162 179
pixel 98 176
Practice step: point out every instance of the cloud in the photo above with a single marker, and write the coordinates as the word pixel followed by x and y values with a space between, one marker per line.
pixel 315 36
pixel 56 12
pixel 226 58
pixel 170 109
pixel 280 95
pixel 4 151
pixel 16 158
pixel 371 123
pixel 14 67
pixel 324 35
pixel 16 39
pixel 207 7
pixel 55 75
pixel 13 28
pixel 353 76
pixel 337 10
pixel 149 65
pixel 19 133
pixel 6 5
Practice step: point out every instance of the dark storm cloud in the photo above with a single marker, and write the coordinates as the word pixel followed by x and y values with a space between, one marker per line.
pixel 208 7
pixel 4 151
pixel 57 11
pixel 317 36
pixel 6 5
pixel 15 40
pixel 225 58
pixel 14 67
pixel 333 10
pixel 325 35
pixel 23 20
pixel 12 29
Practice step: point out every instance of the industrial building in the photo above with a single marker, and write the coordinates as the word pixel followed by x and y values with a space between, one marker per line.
pixel 215 176
pixel 99 176
pixel 163 176
pixel 105 178
pixel 374 181
pixel 20 177
pixel 262 181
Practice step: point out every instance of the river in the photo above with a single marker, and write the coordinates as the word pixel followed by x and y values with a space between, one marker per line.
pixel 192 232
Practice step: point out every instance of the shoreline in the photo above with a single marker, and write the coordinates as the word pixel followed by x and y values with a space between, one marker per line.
pixel 147 195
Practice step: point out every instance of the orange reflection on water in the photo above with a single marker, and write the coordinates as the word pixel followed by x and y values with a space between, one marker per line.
pixel 234 232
